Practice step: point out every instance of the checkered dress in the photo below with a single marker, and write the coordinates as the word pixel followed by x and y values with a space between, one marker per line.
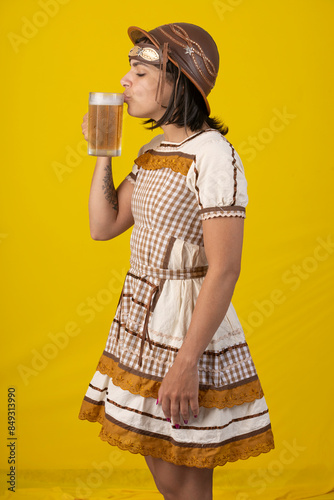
pixel 176 187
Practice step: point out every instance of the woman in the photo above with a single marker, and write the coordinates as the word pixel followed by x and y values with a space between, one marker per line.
pixel 176 381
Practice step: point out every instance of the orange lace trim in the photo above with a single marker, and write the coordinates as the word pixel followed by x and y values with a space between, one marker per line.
pixel 149 388
pixel 176 163
pixel 191 457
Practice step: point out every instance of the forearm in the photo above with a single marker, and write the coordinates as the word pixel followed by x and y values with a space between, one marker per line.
pixel 103 201
pixel 210 309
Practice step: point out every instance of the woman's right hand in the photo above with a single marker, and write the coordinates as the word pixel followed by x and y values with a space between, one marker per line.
pixel 84 126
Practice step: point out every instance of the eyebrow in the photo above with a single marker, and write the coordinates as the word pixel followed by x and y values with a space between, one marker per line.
pixel 137 63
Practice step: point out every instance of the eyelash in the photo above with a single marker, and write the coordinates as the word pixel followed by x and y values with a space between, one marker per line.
pixel 140 74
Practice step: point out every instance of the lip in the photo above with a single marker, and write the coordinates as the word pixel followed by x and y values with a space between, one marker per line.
pixel 126 98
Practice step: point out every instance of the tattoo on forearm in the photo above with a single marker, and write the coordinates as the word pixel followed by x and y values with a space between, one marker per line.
pixel 109 188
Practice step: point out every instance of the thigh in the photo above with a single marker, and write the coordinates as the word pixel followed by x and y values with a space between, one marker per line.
pixel 150 463
pixel 180 481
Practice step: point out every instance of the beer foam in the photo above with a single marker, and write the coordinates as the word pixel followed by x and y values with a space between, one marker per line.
pixel 106 98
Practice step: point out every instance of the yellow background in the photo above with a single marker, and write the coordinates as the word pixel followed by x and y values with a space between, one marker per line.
pixel 276 59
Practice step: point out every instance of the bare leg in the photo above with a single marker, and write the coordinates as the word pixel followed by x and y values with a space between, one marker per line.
pixel 178 482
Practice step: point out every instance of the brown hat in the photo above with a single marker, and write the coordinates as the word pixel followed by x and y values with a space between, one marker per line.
pixel 188 46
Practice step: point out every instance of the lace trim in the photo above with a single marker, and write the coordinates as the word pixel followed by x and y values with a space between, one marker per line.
pixel 210 398
pixel 177 163
pixel 130 179
pixel 223 213
pixel 191 457
pixel 231 397
pixel 218 340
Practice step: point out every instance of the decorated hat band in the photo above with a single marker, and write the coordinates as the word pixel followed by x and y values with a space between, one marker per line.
pixel 148 54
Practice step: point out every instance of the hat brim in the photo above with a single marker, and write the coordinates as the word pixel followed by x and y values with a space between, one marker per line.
pixel 136 33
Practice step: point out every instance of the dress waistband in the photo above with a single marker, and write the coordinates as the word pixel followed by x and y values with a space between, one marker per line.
pixel 168 274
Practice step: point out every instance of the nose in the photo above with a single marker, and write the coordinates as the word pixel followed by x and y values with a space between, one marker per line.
pixel 125 81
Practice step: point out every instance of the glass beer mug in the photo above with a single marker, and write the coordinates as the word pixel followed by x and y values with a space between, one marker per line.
pixel 105 117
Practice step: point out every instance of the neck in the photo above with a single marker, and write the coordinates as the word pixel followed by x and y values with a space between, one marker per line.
pixel 173 133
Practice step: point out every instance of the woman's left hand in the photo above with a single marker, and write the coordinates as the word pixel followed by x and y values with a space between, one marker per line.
pixel 178 391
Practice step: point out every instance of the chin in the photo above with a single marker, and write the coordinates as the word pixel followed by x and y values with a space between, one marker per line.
pixel 145 115
pixel 131 113
pixel 134 113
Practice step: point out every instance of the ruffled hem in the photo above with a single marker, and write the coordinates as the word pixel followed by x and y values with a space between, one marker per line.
pixel 210 398
pixel 191 457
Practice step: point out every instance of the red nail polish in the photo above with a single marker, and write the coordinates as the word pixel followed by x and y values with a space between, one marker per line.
pixel 177 426
pixel 157 402
pixel 185 421
pixel 168 419
pixel 195 416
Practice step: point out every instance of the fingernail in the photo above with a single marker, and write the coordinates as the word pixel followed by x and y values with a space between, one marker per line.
pixel 195 416
pixel 177 426
pixel 168 419
pixel 185 421
pixel 157 402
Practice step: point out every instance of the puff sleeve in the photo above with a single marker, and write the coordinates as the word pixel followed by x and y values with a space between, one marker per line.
pixel 218 180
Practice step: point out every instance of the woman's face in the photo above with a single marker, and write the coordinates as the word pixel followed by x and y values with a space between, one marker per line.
pixel 140 85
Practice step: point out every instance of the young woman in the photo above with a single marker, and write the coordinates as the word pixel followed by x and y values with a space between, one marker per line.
pixel 176 381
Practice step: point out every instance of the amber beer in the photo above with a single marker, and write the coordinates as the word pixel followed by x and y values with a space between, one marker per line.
pixel 105 116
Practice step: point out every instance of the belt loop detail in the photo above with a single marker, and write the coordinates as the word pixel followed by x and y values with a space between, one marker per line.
pixel 120 309
pixel 145 329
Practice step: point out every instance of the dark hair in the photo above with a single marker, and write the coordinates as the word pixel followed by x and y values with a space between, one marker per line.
pixel 186 107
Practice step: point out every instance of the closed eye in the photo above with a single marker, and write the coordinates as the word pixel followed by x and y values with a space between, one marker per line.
pixel 140 74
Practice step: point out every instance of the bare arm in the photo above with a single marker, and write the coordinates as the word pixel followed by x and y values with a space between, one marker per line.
pixel 109 208
pixel 223 238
